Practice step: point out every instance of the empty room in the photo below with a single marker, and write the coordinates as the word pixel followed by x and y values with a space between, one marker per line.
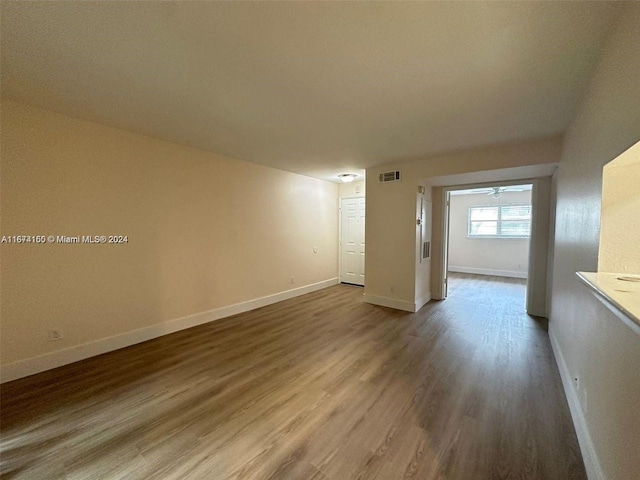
pixel 319 240
pixel 488 235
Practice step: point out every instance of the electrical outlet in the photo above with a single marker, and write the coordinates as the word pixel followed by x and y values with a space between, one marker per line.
pixel 292 280
pixel 54 335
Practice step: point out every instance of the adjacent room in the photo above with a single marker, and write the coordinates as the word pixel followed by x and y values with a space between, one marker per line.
pixel 488 236
pixel 319 240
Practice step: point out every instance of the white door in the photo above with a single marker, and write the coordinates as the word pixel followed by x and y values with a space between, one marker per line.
pixel 352 240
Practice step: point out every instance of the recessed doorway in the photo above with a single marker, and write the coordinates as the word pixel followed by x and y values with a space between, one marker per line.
pixel 488 235
pixel 352 245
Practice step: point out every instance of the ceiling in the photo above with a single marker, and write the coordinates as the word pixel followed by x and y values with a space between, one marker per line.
pixel 315 88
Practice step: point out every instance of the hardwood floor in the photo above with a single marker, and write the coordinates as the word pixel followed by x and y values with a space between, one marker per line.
pixel 323 386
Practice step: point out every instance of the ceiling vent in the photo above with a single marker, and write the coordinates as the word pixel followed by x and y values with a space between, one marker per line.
pixel 393 176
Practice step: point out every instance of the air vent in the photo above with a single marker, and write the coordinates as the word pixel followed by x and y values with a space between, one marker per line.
pixel 389 176
pixel 426 249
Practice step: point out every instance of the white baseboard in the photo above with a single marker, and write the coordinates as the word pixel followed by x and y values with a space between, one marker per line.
pixel 390 302
pixel 30 366
pixel 589 455
pixel 421 302
pixel 488 271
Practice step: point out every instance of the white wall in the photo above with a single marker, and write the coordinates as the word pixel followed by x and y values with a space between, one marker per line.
pixel 589 341
pixel 206 234
pixel 507 257
pixel 424 233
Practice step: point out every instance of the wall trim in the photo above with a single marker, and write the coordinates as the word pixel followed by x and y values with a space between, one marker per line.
pixel 58 358
pixel 589 454
pixel 488 271
pixel 390 302
pixel 421 302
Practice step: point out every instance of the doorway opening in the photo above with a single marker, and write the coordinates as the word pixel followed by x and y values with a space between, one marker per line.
pixel 488 239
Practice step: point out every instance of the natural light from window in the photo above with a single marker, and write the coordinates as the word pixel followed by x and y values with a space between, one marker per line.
pixel 500 221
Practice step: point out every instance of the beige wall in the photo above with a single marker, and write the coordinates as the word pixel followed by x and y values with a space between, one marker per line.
pixel 538 275
pixel 353 189
pixel 498 256
pixel 391 208
pixel 390 234
pixel 620 218
pixel 204 231
pixel 590 341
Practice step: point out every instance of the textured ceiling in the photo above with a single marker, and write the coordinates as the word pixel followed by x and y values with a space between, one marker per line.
pixel 314 88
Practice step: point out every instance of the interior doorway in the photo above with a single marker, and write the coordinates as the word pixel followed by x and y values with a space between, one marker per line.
pixel 488 235
pixel 352 242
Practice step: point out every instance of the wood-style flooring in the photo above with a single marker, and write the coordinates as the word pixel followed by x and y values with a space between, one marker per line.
pixel 322 386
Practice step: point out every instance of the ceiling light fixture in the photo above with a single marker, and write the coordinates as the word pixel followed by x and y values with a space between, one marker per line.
pixel 347 177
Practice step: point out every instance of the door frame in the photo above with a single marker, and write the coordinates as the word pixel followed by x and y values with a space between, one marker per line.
pixel 446 203
pixel 346 197
pixel 535 238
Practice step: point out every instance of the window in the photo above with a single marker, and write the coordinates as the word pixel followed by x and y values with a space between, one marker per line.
pixel 506 221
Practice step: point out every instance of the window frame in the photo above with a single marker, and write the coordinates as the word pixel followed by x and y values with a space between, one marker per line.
pixel 498 221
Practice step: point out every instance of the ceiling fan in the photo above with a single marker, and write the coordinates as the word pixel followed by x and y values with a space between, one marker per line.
pixel 495 192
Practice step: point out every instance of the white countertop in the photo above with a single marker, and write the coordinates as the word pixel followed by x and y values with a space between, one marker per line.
pixel 618 291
